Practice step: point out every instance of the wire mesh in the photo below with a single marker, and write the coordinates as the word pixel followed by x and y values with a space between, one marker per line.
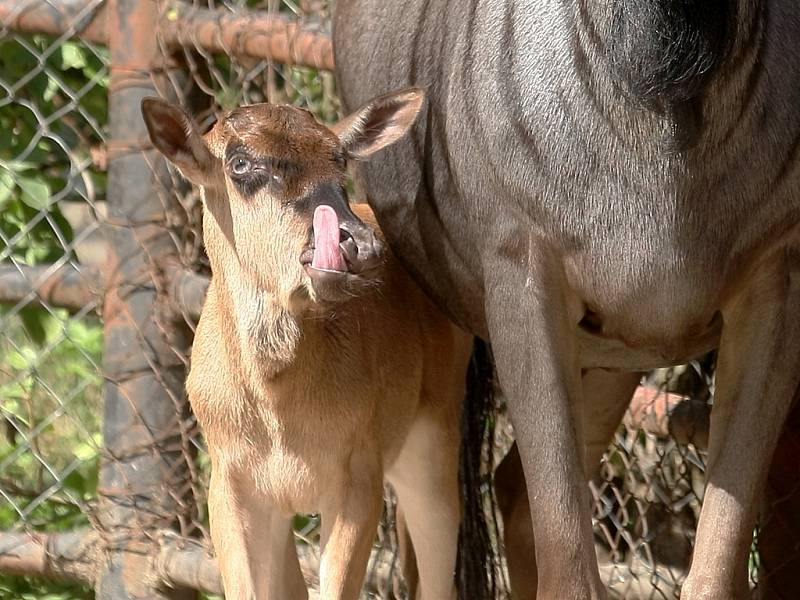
pixel 55 151
pixel 52 115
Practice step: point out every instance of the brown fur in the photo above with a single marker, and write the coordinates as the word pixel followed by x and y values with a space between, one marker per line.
pixel 306 403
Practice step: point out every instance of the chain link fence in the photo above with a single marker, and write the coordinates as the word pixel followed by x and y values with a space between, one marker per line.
pixel 103 473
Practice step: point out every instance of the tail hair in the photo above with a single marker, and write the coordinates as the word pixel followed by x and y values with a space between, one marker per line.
pixel 478 562
pixel 669 49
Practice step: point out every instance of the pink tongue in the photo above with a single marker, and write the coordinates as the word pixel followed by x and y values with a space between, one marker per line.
pixel 326 240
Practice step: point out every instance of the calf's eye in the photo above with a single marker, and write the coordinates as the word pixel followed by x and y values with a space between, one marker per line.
pixel 240 166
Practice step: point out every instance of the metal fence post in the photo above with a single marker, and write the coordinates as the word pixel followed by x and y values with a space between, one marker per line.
pixel 143 471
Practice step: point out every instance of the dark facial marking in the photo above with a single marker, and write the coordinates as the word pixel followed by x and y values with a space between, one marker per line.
pixel 250 174
pixel 331 193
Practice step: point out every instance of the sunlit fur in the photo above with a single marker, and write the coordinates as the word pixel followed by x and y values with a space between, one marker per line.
pixel 307 405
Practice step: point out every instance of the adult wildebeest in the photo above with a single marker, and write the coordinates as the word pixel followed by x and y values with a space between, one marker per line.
pixel 602 185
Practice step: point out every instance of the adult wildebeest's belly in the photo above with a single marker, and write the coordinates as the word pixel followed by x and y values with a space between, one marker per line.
pixel 657 261
pixel 651 258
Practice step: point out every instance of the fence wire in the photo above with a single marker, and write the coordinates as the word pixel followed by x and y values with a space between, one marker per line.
pixel 57 237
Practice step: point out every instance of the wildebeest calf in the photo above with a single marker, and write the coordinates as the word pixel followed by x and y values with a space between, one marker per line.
pixel 318 366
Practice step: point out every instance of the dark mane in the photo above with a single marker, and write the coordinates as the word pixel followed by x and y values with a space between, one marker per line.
pixel 668 50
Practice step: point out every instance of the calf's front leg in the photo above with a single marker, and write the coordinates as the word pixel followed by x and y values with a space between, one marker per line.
pixel 350 518
pixel 254 543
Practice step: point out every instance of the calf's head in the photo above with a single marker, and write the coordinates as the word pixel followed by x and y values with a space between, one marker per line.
pixel 273 182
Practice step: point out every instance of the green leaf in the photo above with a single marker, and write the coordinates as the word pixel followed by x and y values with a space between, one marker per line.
pixel 87 336
pixel 50 90
pixel 76 481
pixel 72 56
pixel 11 406
pixel 35 192
pixel 34 318
pixel 21 165
pixel 6 186
pixel 22 359
pixel 61 223
pixel 15 60
pixel 89 448
pixel 51 323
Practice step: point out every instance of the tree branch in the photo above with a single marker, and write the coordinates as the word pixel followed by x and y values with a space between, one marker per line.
pixel 75 18
pixel 69 556
pixel 187 291
pixel 74 555
pixel 186 563
pixel 258 34
pixel 73 289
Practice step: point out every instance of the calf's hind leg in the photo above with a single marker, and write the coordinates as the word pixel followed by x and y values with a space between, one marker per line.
pixel 425 477
pixel 405 552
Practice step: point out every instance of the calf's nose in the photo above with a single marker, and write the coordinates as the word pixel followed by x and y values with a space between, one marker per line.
pixel 361 247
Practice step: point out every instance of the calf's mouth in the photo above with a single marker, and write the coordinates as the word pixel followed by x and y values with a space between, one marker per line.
pixel 342 251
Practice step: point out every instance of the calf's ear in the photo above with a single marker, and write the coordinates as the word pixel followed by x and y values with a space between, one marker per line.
pixel 174 135
pixel 379 123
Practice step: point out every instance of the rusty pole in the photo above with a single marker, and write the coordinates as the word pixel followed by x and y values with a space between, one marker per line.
pixel 255 33
pixel 143 396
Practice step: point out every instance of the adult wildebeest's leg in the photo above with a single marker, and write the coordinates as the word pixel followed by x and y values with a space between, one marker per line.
pixel 606 396
pixel 254 544
pixel 535 348
pixel 757 375
pixel 779 521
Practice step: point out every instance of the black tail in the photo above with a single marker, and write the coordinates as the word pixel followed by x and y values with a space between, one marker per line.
pixel 669 49
pixel 478 563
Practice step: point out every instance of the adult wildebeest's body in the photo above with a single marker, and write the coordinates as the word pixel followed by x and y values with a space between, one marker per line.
pixel 602 184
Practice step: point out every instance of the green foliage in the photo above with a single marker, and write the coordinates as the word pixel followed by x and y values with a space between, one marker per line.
pixel 53 106
pixel 30 588
pixel 300 86
pixel 35 169
pixel 37 380
pixel 40 84
pixel 53 110
pixel 314 90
